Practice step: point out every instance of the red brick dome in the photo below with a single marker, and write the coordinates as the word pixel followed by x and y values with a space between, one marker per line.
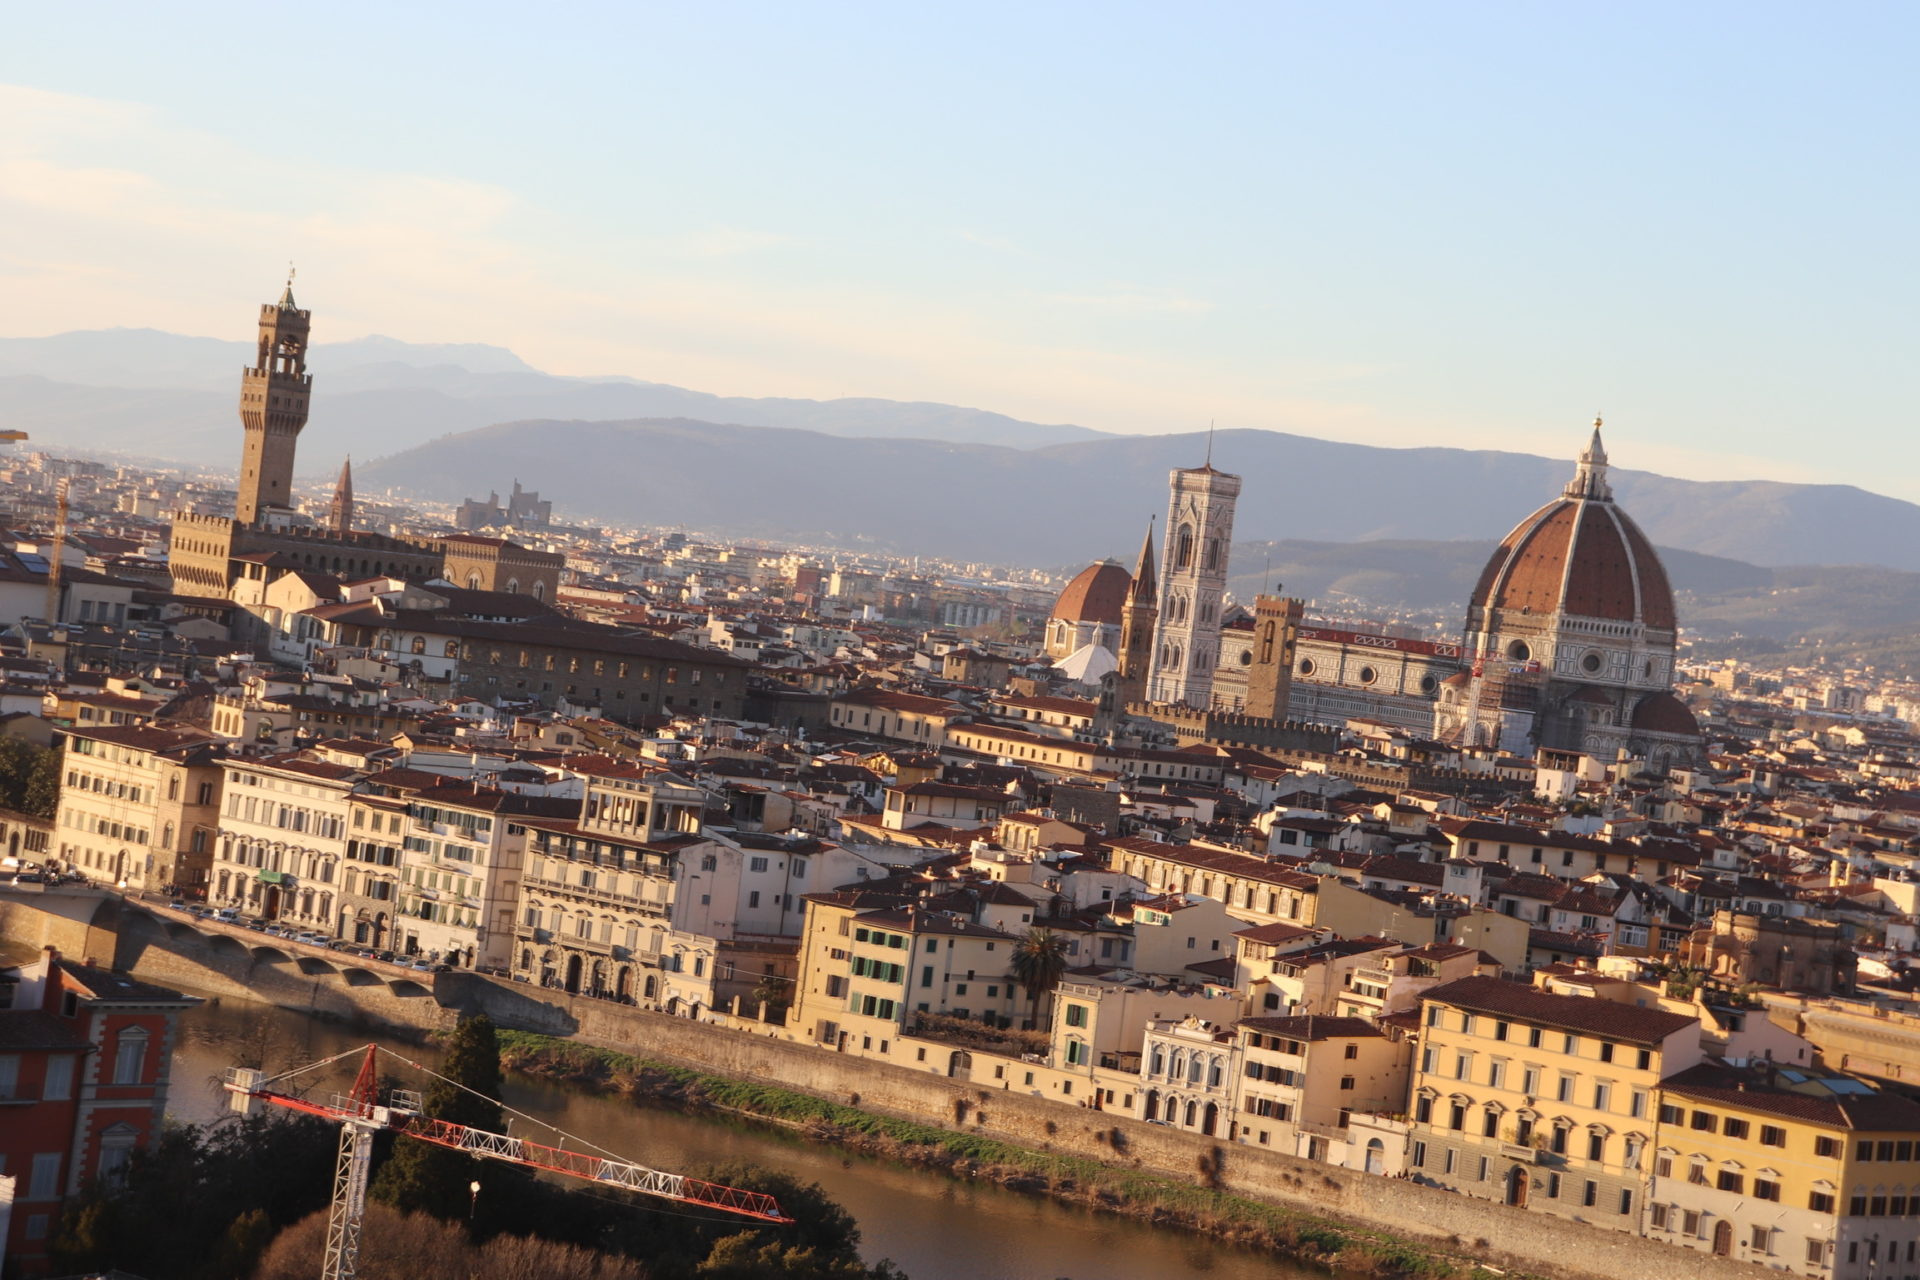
pixel 1664 713
pixel 1098 593
pixel 1579 555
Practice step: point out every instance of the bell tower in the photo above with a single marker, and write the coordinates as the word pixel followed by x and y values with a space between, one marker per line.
pixel 273 408
pixel 1193 579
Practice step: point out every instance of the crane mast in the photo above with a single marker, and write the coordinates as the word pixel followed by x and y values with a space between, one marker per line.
pixel 360 1116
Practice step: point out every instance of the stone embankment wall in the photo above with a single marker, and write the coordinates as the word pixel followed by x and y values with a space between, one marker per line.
pixel 158 948
pixel 80 923
pixel 162 947
pixel 1532 1242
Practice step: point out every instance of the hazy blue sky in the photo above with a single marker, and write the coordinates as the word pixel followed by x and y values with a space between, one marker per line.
pixel 1469 224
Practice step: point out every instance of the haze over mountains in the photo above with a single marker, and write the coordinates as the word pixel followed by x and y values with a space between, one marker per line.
pixel 1065 502
pixel 1868 606
pixel 450 421
pixel 141 391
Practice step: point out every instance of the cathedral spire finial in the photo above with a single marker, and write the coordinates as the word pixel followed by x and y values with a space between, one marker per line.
pixel 340 511
pixel 1209 461
pixel 286 294
pixel 1590 475
pixel 1144 586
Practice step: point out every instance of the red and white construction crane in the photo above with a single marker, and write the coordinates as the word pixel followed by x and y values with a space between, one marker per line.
pixel 360 1116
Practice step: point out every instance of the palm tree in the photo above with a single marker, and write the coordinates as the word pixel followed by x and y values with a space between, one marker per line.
pixel 1039 960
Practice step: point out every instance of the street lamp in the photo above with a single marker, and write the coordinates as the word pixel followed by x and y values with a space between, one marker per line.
pixel 473 1191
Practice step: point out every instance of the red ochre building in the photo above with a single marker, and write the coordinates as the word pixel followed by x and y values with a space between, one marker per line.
pixel 85 1058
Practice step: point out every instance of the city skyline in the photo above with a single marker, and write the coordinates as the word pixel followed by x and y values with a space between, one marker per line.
pixel 1475 227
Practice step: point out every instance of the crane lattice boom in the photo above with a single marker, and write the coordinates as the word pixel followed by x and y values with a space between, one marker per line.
pixel 359 1117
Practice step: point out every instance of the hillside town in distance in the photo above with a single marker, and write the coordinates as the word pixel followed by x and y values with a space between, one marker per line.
pixel 1538 912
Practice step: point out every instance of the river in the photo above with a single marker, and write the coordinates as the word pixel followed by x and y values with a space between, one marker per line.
pixel 933 1227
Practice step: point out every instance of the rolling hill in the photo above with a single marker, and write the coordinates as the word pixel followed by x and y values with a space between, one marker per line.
pixel 1086 499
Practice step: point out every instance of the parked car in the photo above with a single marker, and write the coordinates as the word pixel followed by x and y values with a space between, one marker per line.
pixel 227 915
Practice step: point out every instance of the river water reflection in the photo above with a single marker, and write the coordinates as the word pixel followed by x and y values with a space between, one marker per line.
pixel 931 1226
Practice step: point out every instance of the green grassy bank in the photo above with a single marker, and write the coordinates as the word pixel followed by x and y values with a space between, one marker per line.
pixel 1156 1198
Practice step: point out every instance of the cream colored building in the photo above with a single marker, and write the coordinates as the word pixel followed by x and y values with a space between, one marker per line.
pixel 1792 1169
pixel 139 806
pixel 1303 1079
pixel 1542 1101
pixel 284 825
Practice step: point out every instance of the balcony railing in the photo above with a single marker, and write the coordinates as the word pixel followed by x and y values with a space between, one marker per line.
pixel 606 897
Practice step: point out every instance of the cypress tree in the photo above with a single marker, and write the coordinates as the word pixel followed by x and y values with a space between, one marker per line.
pixel 423 1177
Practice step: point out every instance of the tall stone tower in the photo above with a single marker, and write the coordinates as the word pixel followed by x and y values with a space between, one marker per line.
pixel 1136 629
pixel 273 408
pixel 1193 577
pixel 1276 635
pixel 340 513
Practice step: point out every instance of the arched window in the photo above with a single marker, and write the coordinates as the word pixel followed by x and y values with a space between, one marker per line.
pixel 513 585
pixel 539 591
pixel 116 1153
pixel 419 644
pixel 473 582
pixel 1183 548
pixel 453 648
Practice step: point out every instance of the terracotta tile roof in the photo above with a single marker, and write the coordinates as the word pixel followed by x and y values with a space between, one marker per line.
pixel 117 988
pixel 1311 1027
pixel 1717 1083
pixel 1237 864
pixel 1098 593
pixel 1583 557
pixel 1584 1014
pixel 31 1029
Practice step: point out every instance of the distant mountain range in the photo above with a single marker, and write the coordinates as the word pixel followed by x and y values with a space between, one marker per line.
pixel 1088 499
pixel 153 394
pixel 450 421
pixel 1799 605
pixel 1434 575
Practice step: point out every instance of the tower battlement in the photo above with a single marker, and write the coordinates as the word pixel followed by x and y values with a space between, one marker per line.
pixel 274 394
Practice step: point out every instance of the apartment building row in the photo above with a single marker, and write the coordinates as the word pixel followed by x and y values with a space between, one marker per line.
pixel 1697 1121
pixel 605 880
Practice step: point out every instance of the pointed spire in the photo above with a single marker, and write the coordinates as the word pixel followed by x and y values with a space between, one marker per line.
pixel 1146 587
pixel 340 514
pixel 286 295
pixel 1208 464
pixel 1590 476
